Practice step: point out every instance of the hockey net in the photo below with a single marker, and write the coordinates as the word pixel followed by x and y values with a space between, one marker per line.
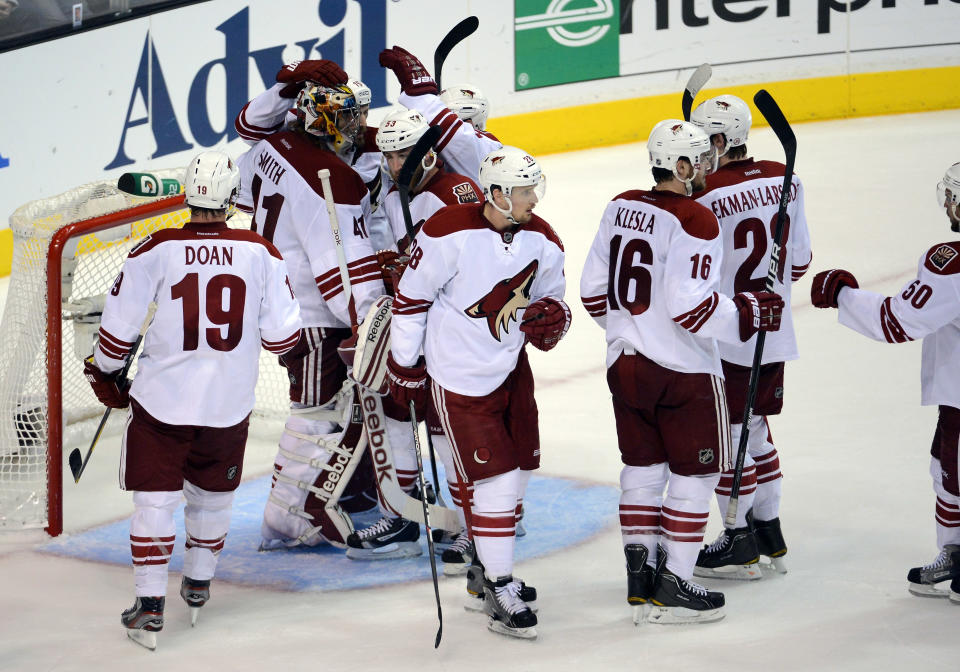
pixel 67 251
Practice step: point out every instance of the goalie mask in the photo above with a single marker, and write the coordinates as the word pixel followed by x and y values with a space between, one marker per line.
pixel 468 103
pixel 212 181
pixel 727 115
pixel 331 113
pixel 398 133
pixel 948 195
pixel 509 168
pixel 672 140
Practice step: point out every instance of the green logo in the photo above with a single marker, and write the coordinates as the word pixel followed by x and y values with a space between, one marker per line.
pixel 562 41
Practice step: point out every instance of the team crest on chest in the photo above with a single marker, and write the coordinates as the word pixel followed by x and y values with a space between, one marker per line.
pixel 465 193
pixel 508 297
pixel 942 256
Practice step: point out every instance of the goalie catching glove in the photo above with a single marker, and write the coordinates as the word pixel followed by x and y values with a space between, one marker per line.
pixel 109 389
pixel 413 77
pixel 321 71
pixel 545 322
pixel 759 311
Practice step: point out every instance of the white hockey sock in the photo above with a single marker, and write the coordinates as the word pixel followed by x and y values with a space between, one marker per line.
pixel 152 534
pixel 684 519
pixel 206 518
pixel 748 484
pixel 766 504
pixel 948 509
pixel 494 523
pixel 641 497
pixel 521 491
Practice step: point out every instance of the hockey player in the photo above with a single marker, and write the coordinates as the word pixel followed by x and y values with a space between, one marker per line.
pixel 464 142
pixel 928 307
pixel 744 195
pixel 220 293
pixel 290 209
pixel 651 281
pixel 483 280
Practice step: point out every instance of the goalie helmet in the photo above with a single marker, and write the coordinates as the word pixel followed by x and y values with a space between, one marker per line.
pixel 724 114
pixel 361 92
pixel 508 168
pixel 467 102
pixel 948 194
pixel 672 140
pixel 212 181
pixel 329 112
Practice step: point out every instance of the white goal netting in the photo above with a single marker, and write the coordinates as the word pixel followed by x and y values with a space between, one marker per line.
pixel 89 263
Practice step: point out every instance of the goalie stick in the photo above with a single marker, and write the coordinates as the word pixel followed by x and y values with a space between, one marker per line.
pixel 696 82
pixel 781 127
pixel 426 521
pixel 457 34
pixel 324 176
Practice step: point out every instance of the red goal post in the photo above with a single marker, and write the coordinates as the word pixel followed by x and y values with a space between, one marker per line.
pixel 68 250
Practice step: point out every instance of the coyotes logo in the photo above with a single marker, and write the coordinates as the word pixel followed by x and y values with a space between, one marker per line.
pixel 497 159
pixel 676 129
pixel 502 303
pixel 942 256
pixel 722 105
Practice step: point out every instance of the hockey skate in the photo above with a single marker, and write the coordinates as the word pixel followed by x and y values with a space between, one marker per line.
pixel 144 620
pixel 457 557
pixel 386 539
pixel 770 542
pixel 442 540
pixel 946 566
pixel 955 591
pixel 508 613
pixel 677 600
pixel 195 593
pixel 475 595
pixel 639 581
pixel 733 555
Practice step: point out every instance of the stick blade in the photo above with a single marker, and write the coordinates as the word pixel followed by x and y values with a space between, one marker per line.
pixel 457 34
pixel 76 464
pixel 696 82
pixel 426 141
pixel 778 122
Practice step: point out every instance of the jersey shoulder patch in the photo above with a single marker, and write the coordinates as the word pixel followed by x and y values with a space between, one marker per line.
pixel 942 259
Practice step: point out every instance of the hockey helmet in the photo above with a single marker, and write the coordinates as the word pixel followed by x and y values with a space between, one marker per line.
pixel 329 112
pixel 212 181
pixel 467 102
pixel 724 114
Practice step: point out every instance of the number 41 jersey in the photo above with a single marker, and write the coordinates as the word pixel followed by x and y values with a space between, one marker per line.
pixel 651 280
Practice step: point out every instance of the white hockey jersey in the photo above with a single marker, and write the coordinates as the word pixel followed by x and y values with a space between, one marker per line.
pixel 652 278
pixel 221 293
pixel 463 295
pixel 290 211
pixel 441 190
pixel 928 307
pixel 745 198
pixel 461 146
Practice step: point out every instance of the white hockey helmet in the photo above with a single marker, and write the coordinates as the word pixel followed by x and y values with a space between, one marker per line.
pixel 508 168
pixel 212 181
pixel 400 129
pixel 329 112
pixel 673 139
pixel 948 193
pixel 361 92
pixel 467 102
pixel 724 114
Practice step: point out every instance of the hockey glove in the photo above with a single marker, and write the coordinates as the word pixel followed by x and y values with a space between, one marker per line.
pixel 392 266
pixel 110 392
pixel 759 311
pixel 826 287
pixel 413 77
pixel 320 71
pixel 545 322
pixel 408 383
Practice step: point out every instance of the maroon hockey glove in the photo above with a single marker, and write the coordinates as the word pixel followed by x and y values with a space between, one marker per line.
pixel 759 311
pixel 827 285
pixel 347 349
pixel 105 385
pixel 392 266
pixel 408 383
pixel 545 322
pixel 414 78
pixel 320 71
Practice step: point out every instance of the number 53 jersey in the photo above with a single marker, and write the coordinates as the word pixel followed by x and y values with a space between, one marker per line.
pixel 651 280
pixel 220 294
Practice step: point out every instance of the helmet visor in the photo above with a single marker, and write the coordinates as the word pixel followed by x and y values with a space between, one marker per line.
pixel 707 161
pixel 946 196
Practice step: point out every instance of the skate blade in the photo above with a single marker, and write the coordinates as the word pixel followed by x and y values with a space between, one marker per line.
pixel 144 638
pixel 407 549
pixel 194 615
pixel 493 625
pixel 455 568
pixel 749 572
pixel 473 602
pixel 640 613
pixel 954 598
pixel 775 565
pixel 926 590
pixel 683 616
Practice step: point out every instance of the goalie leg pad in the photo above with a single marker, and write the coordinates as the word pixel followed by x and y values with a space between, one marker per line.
pixel 373 345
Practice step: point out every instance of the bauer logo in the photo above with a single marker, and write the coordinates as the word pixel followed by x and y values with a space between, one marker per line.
pixel 562 41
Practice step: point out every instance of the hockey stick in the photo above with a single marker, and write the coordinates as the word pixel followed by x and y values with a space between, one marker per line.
pixel 426 521
pixel 324 176
pixel 76 465
pixel 457 34
pixel 696 82
pixel 424 145
pixel 771 112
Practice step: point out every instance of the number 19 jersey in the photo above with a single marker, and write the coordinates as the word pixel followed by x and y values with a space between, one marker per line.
pixel 651 279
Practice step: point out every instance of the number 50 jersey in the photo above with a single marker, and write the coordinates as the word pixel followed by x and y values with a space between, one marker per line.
pixel 651 280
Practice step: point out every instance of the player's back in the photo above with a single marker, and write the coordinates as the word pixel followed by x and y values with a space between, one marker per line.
pixel 744 196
